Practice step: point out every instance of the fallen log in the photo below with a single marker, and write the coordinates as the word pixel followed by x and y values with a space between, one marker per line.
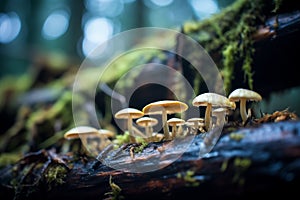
pixel 245 162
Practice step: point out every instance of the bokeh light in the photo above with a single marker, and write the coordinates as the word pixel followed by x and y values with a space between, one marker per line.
pixel 10 26
pixel 56 24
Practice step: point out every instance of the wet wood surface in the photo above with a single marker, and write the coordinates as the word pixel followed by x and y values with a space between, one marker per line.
pixel 245 162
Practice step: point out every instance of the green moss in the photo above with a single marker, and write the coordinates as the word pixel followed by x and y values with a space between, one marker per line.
pixel 55 175
pixel 141 147
pixel 229 54
pixel 9 158
pixel 189 178
pixel 229 33
pixel 241 165
pixel 277 5
pixel 236 136
pixel 224 165
pixel 121 139
pixel 115 190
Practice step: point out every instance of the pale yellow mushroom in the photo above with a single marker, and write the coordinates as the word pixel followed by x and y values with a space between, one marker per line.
pixel 93 140
pixel 157 137
pixel 76 132
pixel 147 123
pixel 197 124
pixel 211 100
pixel 243 95
pixel 106 133
pixel 220 114
pixel 164 108
pixel 129 114
pixel 174 122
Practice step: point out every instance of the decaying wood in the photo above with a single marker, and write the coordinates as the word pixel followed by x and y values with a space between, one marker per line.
pixel 246 162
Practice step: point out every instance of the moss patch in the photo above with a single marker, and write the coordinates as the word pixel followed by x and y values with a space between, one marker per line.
pixel 230 34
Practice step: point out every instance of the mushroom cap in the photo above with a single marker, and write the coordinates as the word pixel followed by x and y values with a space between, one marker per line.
pixel 220 110
pixel 175 121
pixel 196 119
pixel 80 130
pixel 146 121
pixel 171 107
pixel 216 100
pixel 106 133
pixel 126 112
pixel 242 93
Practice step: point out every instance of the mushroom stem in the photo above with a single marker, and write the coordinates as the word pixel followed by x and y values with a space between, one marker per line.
pixel 130 130
pixel 165 125
pixel 174 130
pixel 147 130
pixel 207 117
pixel 195 128
pixel 243 111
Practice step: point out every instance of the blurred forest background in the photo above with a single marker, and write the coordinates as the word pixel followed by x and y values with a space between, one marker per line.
pixel 60 31
pixel 72 29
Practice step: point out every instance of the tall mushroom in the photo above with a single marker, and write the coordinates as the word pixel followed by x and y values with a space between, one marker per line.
pixel 244 95
pixel 174 122
pixel 147 123
pixel 129 114
pixel 164 108
pixel 211 100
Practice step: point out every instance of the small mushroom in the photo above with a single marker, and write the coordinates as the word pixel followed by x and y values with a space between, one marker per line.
pixel 211 100
pixel 174 122
pixel 106 133
pixel 75 133
pixel 129 114
pixel 147 123
pixel 197 123
pixel 157 137
pixel 165 107
pixel 220 114
pixel 244 95
pixel 93 140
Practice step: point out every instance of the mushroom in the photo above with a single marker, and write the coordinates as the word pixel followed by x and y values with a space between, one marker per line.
pixel 196 123
pixel 157 137
pixel 165 107
pixel 211 100
pixel 129 114
pixel 220 114
pixel 90 137
pixel 147 123
pixel 75 133
pixel 106 133
pixel 174 122
pixel 244 95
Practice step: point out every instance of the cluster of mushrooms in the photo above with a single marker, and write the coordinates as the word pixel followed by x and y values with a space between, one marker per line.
pixel 216 105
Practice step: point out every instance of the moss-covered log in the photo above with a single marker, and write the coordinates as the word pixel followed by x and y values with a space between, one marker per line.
pixel 246 162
